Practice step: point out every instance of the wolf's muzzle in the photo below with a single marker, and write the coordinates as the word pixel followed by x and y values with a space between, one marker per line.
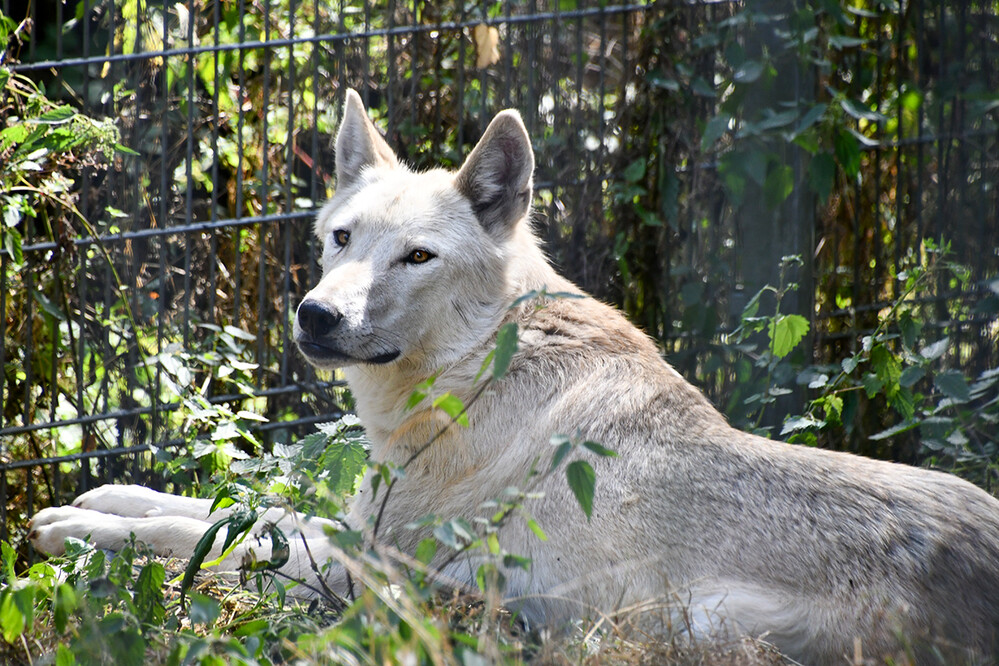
pixel 316 319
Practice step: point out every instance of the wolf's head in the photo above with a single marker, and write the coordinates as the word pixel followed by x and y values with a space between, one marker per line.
pixel 415 265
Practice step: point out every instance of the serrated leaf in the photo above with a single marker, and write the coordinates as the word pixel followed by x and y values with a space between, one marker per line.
pixel 800 423
pixel 582 482
pixel 872 385
pixel 934 351
pixel 832 405
pixel 57 115
pixel 953 385
pixel 785 332
pixel 911 375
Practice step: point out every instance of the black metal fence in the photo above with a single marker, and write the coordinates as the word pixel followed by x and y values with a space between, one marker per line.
pixel 148 312
pixel 166 296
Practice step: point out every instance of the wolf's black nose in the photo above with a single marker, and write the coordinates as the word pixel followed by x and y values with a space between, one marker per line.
pixel 317 319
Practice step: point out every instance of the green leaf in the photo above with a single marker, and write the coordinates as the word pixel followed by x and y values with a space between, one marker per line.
pixel 953 385
pixel 9 556
pixel 12 620
pixel 237 522
pixel 840 42
pixel 748 71
pixel 832 405
pixel 800 423
pixel 714 130
pixel 343 462
pixel 600 450
pixel 778 185
pixel 872 384
pixel 64 656
pixel 149 593
pixel 911 375
pixel 453 407
pixel 785 332
pixel 894 430
pixel 934 351
pixel 810 117
pixel 426 550
pixel 506 347
pixel 634 172
pixel 582 482
pixel 204 610
pixel 821 175
pixel 847 153
pixel 538 532
pixel 57 115
pixel 564 445
pixel 859 111
pixel 850 364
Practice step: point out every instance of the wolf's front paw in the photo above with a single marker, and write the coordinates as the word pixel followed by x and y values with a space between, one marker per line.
pixel 130 501
pixel 49 528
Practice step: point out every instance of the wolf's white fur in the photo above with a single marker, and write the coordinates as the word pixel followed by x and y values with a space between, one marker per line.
pixel 718 529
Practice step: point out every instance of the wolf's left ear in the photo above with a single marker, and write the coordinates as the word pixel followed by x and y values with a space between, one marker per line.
pixel 498 175
pixel 358 143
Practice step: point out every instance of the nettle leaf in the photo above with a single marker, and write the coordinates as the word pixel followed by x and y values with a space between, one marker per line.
pixel 934 351
pixel 911 375
pixel 785 332
pixel 506 347
pixel 582 482
pixel 800 423
pixel 953 385
pixel 833 406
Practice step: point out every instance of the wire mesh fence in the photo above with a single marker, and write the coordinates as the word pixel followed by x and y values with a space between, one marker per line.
pixel 147 312
pixel 184 255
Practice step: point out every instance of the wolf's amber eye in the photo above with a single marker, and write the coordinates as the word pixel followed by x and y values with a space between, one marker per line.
pixel 419 256
pixel 341 236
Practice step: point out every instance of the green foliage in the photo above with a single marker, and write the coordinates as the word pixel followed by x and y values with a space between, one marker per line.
pixel 940 416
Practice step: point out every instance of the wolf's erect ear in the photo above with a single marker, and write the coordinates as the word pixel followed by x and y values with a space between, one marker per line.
pixel 358 143
pixel 497 176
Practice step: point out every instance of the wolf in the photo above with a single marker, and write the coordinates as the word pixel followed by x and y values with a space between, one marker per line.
pixel 706 527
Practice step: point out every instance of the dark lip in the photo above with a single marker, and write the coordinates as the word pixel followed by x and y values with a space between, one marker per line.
pixel 321 353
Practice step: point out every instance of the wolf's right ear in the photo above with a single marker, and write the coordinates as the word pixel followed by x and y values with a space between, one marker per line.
pixel 358 143
pixel 497 177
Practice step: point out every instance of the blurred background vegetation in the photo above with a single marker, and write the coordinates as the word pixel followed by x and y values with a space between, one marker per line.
pixel 160 163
